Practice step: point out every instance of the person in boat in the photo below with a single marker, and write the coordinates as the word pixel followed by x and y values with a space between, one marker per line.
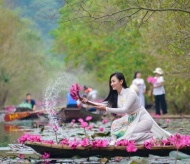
pixel 28 103
pixel 31 101
pixel 87 90
pixel 136 124
pixel 71 103
pixel 90 94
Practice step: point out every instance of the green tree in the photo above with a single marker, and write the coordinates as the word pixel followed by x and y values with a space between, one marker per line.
pixel 21 57
pixel 105 36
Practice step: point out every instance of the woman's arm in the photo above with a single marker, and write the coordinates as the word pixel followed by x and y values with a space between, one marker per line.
pixel 159 85
pixel 104 103
pixel 86 101
pixel 127 105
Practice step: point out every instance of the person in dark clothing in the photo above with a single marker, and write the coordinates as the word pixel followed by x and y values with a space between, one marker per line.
pixel 71 103
pixel 30 101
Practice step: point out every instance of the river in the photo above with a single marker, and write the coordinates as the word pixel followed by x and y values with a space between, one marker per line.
pixel 12 152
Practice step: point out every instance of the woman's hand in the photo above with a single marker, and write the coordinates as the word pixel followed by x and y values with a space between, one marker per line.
pixel 84 100
pixel 102 108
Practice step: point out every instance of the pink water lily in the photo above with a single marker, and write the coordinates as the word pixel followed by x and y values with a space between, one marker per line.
pixel 105 120
pixel 148 144
pixel 179 141
pixel 64 142
pixel 168 120
pixel 158 116
pixel 154 142
pixel 80 120
pixel 151 80
pixel 84 124
pixel 88 118
pixel 99 143
pixel 73 120
pixel 34 138
pixel 47 141
pixel 101 129
pixel 122 143
pixel 89 127
pixel 165 142
pixel 45 155
pixel 131 147
pixel 21 156
pixel 85 142
pixel 74 91
pixel 117 159
pixel 73 144
pixel 55 128
pixel 23 138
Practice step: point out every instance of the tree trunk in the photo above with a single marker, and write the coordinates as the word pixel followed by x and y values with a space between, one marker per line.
pixel 3 98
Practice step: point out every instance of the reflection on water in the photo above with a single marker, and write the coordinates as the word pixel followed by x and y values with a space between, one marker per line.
pixel 11 131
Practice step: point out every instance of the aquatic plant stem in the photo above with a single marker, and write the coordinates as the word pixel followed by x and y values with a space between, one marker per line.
pixel 56 137
pixel 176 156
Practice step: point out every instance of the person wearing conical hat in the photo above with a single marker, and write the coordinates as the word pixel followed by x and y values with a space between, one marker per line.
pixel 159 92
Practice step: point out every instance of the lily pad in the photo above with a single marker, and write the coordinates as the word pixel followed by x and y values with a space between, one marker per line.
pixel 137 160
pixel 100 135
pixel 180 155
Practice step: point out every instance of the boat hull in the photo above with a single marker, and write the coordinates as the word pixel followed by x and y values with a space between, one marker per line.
pixel 33 116
pixel 59 151
pixel 68 114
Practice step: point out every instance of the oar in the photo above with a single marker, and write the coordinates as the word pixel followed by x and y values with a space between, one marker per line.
pixel 19 115
pixel 88 102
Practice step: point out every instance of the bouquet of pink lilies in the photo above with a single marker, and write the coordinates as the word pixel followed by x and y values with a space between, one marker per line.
pixel 151 80
pixel 74 91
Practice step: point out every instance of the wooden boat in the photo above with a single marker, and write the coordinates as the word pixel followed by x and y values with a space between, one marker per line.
pixel 67 114
pixel 60 151
pixel 32 116
pixel 171 117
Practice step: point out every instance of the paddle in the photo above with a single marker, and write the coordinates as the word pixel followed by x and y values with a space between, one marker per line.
pixel 19 115
pixel 88 102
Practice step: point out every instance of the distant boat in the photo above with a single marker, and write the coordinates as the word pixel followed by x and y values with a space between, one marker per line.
pixel 68 114
pixel 33 116
pixel 60 151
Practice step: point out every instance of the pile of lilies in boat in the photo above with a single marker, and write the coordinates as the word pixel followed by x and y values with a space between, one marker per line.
pixel 174 142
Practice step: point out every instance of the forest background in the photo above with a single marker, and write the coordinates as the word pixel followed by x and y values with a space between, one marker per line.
pixel 93 39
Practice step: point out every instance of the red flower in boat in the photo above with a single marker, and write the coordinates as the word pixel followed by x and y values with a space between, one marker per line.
pixel 131 147
pixel 73 144
pixel 148 144
pixel 74 91
pixel 85 142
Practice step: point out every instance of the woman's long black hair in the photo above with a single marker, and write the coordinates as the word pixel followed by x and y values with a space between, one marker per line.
pixel 113 95
pixel 135 75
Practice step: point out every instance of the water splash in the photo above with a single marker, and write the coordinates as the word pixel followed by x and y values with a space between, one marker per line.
pixel 57 86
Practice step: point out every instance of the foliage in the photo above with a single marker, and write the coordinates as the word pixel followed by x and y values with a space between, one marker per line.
pixel 23 63
pixel 107 36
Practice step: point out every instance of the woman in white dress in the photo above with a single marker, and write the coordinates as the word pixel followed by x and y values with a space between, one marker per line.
pixel 136 124
pixel 139 82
